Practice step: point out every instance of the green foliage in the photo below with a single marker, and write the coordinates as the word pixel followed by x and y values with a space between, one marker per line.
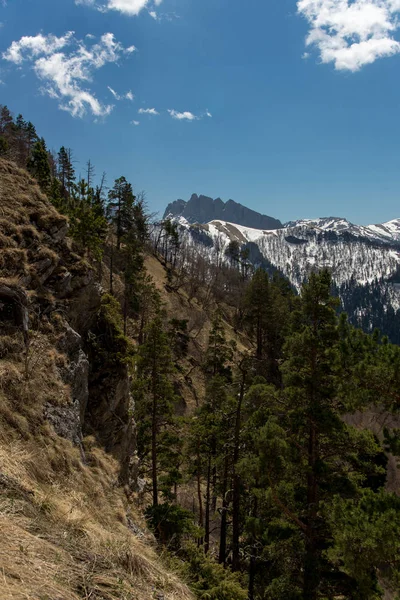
pixel 179 337
pixel 366 534
pixel 209 580
pixel 4 146
pixel 108 345
pixel 88 226
pixel 219 353
pixel 296 493
pixel 38 165
pixel 120 208
pixel 154 396
pixel 171 524
pixel 66 171
pixel 265 315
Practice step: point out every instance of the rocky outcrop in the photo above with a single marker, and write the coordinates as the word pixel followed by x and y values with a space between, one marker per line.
pixel 202 209
pixel 47 286
pixel 68 420
pixel 109 417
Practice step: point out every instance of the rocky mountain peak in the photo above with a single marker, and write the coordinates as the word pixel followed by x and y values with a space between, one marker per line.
pixel 203 209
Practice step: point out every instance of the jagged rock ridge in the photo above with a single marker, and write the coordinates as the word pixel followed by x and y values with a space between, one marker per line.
pixel 202 209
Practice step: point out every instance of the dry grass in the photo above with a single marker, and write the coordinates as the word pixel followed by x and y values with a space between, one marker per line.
pixel 64 524
pixel 190 377
pixel 64 521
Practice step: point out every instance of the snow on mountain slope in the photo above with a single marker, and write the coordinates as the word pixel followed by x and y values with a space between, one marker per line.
pixel 384 232
pixel 355 253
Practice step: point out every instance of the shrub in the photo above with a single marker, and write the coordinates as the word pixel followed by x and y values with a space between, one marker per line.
pixel 209 580
pixel 170 523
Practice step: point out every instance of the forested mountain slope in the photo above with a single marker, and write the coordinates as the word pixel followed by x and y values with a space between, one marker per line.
pixel 154 383
pixel 364 261
pixel 69 527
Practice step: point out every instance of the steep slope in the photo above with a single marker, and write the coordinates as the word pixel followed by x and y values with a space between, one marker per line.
pixel 202 209
pixel 298 249
pixel 189 379
pixel 385 232
pixel 68 522
pixel 364 261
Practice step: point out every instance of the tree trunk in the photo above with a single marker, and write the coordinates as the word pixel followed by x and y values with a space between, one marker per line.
pixel 224 516
pixel 253 557
pixel 125 308
pixel 311 562
pixel 154 455
pixel 214 490
pixel 119 225
pixel 252 573
pixel 207 523
pixel 111 269
pixel 200 499
pixel 236 480
pixel 154 438
pixel 141 331
pixel 259 339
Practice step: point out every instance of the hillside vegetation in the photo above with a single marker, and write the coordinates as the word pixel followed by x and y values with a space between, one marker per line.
pixel 147 389
pixel 69 529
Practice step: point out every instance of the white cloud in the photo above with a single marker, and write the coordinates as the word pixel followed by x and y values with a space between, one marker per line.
pixel 126 7
pixel 127 96
pixel 148 111
pixel 65 64
pixel 36 46
pixel 351 34
pixel 182 116
pixel 188 116
pixel 136 123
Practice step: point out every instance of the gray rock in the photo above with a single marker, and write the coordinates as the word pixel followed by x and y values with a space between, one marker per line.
pixel 66 421
pixel 71 342
pixel 202 209
pixel 59 231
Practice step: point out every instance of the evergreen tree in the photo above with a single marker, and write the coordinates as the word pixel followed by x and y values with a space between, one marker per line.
pixel 219 352
pixel 155 398
pixel 316 402
pixel 265 312
pixel 38 165
pixel 121 208
pixel 66 170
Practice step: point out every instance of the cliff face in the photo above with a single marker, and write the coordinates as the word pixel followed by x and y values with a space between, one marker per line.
pixel 68 526
pixel 202 209
pixel 62 298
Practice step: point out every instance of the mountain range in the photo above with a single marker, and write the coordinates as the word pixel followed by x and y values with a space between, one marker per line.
pixel 364 260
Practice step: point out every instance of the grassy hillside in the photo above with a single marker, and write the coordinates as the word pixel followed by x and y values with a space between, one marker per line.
pixel 69 528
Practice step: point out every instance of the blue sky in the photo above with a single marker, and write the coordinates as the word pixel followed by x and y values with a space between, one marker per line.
pixel 288 107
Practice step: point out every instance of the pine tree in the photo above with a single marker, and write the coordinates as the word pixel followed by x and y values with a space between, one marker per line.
pixel 155 398
pixel 7 132
pixel 265 313
pixel 315 392
pixel 206 439
pixel 121 208
pixel 31 136
pixel 38 165
pixel 219 352
pixel 66 170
